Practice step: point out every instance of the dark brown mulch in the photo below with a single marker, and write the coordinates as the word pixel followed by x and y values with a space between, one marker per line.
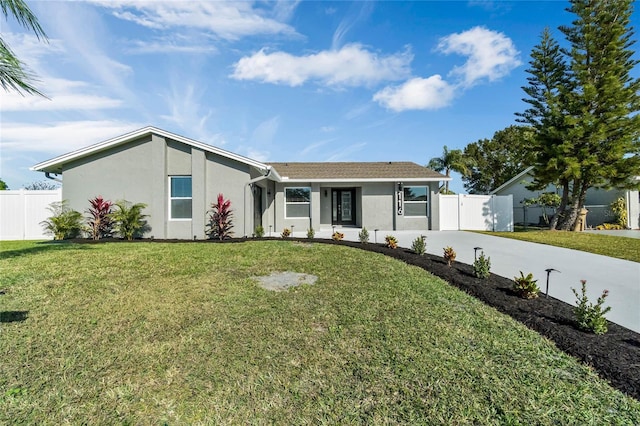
pixel 614 355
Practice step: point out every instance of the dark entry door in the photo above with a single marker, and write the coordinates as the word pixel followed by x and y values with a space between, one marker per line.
pixel 343 206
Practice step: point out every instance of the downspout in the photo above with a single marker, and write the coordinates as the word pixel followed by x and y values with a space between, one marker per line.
pixel 48 176
pixel 250 182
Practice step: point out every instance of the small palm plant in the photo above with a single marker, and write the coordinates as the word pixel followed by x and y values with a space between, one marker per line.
pixel 99 221
pixel 128 220
pixel 220 220
pixel 64 222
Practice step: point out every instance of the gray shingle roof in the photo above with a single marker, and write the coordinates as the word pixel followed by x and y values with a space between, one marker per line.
pixel 356 170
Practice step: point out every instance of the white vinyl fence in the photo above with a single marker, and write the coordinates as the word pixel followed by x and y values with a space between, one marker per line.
pixel 472 212
pixel 22 211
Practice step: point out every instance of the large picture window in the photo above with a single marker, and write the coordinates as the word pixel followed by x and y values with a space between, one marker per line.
pixel 416 200
pixel 180 197
pixel 297 202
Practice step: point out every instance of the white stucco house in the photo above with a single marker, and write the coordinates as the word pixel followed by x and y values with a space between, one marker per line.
pixel 178 178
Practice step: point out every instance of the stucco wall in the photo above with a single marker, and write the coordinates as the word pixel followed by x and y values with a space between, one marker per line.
pixel 139 172
pixel 121 173
pixel 375 207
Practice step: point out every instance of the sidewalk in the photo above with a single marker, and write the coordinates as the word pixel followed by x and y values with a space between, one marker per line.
pixel 509 257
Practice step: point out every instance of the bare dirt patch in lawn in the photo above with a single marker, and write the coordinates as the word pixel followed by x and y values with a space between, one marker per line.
pixel 280 281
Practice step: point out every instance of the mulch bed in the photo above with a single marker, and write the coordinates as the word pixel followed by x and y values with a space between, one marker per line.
pixel 615 356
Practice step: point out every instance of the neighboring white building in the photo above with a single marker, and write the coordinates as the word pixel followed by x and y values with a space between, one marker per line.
pixel 597 201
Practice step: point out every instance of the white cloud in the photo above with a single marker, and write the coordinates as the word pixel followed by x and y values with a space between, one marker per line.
pixel 266 131
pixel 168 45
pixel 62 94
pixel 227 20
pixel 352 65
pixel 492 55
pixel 344 153
pixel 60 137
pixel 365 9
pixel 417 93
pixel 188 111
pixel 314 146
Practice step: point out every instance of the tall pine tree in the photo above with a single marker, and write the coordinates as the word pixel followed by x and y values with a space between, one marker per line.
pixel 589 122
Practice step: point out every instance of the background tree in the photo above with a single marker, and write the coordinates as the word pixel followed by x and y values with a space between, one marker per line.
pixel 494 161
pixel 14 75
pixel 590 112
pixel 42 186
pixel 548 89
pixel 450 160
pixel 3 185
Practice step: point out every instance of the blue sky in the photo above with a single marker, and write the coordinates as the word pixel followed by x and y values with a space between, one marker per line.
pixel 274 81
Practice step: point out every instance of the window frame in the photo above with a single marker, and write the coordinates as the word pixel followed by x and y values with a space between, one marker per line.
pixel 171 198
pixel 287 203
pixel 413 202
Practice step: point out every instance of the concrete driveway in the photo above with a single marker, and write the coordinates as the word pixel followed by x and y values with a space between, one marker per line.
pixel 509 257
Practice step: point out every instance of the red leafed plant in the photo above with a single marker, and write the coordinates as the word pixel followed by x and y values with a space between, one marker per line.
pixel 220 219
pixel 99 219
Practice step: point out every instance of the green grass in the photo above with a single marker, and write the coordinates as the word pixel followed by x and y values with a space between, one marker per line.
pixel 608 245
pixel 148 333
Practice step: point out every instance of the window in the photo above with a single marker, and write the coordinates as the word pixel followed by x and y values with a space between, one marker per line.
pixel 415 200
pixel 297 202
pixel 180 197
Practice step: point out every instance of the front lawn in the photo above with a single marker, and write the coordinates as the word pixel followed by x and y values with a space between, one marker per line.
pixel 147 333
pixel 607 245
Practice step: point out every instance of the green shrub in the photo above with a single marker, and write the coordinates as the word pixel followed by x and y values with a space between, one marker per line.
pixel 619 210
pixel 591 317
pixel 449 255
pixel 259 231
pixel 363 235
pixel 337 236
pixel 64 223
pixel 311 233
pixel 419 245
pixel 286 233
pixel 391 241
pixel 526 287
pixel 609 226
pixel 128 220
pixel 482 266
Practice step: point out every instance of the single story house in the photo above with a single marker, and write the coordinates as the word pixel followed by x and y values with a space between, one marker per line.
pixel 597 201
pixel 179 178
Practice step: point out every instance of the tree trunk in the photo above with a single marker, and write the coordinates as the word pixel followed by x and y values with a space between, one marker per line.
pixel 572 212
pixel 563 205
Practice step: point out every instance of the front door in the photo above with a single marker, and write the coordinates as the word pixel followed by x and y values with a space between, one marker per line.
pixel 343 206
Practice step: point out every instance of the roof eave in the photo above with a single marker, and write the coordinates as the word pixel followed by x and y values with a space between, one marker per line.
pixel 510 181
pixel 52 164
pixel 351 180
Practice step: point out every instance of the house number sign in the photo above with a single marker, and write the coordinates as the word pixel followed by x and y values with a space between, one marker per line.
pixel 399 198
